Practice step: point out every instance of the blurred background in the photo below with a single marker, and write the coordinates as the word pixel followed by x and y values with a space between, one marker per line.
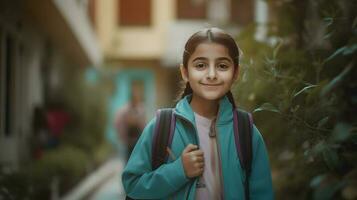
pixel 68 69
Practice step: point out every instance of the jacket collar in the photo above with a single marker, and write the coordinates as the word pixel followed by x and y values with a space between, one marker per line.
pixel 225 114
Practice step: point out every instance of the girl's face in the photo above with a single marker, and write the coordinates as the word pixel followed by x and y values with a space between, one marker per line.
pixel 210 71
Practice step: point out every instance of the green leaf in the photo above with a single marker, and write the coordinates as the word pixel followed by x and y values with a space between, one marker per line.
pixel 322 122
pixel 319 147
pixel 345 50
pixel 336 81
pixel 341 132
pixel 350 50
pixel 276 49
pixel 337 52
pixel 328 21
pixel 267 107
pixel 315 182
pixel 328 191
pixel 305 89
pixel 331 158
pixel 328 35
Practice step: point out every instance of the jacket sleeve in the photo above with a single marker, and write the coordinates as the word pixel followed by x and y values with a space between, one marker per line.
pixel 261 187
pixel 141 182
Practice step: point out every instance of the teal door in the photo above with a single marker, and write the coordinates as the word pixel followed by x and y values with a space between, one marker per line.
pixel 123 87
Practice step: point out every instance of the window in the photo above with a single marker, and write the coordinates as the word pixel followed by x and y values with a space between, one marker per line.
pixel 91 11
pixel 134 12
pixel 7 83
pixel 242 11
pixel 191 9
pixel 2 82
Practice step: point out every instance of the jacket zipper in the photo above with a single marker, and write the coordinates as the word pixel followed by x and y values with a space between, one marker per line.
pixel 187 193
pixel 182 117
pixel 220 165
pixel 218 150
pixel 219 155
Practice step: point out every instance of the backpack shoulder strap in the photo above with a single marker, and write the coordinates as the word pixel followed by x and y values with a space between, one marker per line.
pixel 243 128
pixel 162 137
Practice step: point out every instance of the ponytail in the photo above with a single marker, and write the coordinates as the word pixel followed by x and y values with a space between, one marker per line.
pixel 185 90
pixel 231 99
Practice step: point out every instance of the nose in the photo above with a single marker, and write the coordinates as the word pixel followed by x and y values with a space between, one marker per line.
pixel 212 74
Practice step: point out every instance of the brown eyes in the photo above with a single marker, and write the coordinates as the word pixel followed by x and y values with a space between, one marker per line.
pixel 223 66
pixel 219 66
pixel 200 65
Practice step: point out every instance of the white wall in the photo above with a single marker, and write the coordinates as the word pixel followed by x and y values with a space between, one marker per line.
pixel 28 93
pixel 261 19
pixel 77 19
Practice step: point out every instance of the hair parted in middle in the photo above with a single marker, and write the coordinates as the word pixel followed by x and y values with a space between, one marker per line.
pixel 214 35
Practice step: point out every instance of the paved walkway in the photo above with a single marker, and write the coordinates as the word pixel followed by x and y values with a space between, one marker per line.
pixel 103 184
pixel 110 190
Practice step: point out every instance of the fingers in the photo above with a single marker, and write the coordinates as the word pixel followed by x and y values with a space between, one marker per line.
pixel 196 158
pixel 193 161
pixel 199 169
pixel 189 148
pixel 200 165
pixel 197 153
pixel 199 159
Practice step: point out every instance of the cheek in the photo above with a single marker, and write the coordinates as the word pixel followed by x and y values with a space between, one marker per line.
pixel 194 74
pixel 228 77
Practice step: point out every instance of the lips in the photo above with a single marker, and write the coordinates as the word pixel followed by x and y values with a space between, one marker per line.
pixel 210 84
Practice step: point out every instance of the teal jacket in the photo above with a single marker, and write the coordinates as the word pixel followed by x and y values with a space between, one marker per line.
pixel 169 180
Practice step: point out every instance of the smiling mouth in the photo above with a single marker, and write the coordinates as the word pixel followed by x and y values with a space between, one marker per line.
pixel 211 84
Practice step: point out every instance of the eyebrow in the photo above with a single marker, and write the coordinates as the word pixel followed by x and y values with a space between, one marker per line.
pixel 225 58
pixel 219 59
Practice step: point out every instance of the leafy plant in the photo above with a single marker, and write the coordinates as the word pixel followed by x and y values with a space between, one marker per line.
pixel 302 91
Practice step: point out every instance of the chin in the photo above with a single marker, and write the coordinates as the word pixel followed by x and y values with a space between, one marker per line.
pixel 212 97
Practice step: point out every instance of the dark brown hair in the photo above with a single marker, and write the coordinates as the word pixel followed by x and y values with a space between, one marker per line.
pixel 214 35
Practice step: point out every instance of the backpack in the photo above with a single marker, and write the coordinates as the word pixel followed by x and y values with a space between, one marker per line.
pixel 243 128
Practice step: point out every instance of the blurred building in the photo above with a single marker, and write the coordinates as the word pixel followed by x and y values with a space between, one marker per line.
pixel 141 40
pixel 37 38
pixel 144 39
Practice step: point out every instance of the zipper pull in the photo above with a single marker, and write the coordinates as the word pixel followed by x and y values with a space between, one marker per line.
pixel 212 129
pixel 200 185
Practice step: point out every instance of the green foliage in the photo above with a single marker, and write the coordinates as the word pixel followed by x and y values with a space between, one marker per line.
pixel 81 145
pixel 66 164
pixel 14 186
pixel 63 161
pixel 302 91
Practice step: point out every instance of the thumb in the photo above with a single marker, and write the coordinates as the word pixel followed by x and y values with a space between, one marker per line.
pixel 189 148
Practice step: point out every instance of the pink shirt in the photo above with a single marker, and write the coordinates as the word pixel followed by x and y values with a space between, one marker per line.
pixel 209 186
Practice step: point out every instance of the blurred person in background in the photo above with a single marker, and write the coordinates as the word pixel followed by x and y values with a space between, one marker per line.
pixel 49 125
pixel 130 119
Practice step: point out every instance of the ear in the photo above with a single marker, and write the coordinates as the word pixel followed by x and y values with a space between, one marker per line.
pixel 236 74
pixel 184 73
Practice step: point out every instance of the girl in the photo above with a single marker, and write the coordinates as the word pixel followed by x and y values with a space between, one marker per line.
pixel 204 163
